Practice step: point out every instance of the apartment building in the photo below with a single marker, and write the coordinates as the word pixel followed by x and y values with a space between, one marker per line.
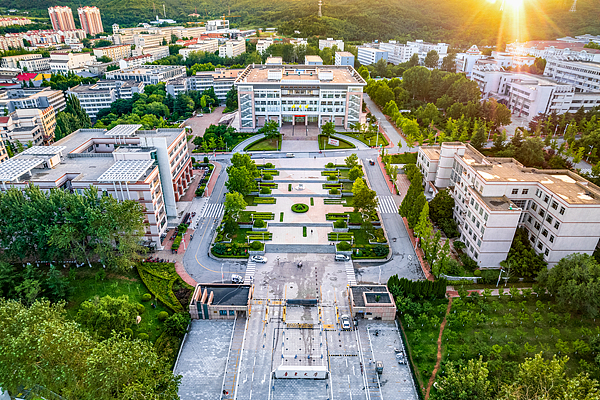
pixel 344 58
pixel 263 44
pixel 399 53
pixel 369 55
pixel 146 40
pixel 115 53
pixel 149 74
pixel 8 21
pixel 44 118
pixel 493 196
pixel 156 52
pixel 35 64
pixel 232 48
pixel 11 41
pixel 63 62
pixel 151 167
pixel 313 60
pixel 135 61
pixel 103 93
pixel 547 49
pixel 583 76
pixel 90 19
pixel 207 46
pixel 221 80
pixel 466 61
pixel 3 152
pixel 15 61
pixel 299 94
pixel 43 97
pixel 61 18
pixel 329 42
pixel 217 25
pixel 22 129
pixel 585 39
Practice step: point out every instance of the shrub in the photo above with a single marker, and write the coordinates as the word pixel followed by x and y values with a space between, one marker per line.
pixel 468 262
pixel 267 177
pixel 289 187
pixel 458 245
pixel 140 308
pixel 453 268
pixel 176 243
pixel 176 324
pixel 259 223
pixel 477 272
pixel 340 223
pixel 344 246
pixel 256 245
pixel 219 248
pixel 329 165
pixel 128 332
pixel 380 251
pixel 205 160
pixel 269 165
pixel 490 276
pixel 312 201
pixel 299 208
pixel 143 336
pixel 199 192
pixel 265 190
pixel 162 315
pixel 332 178
pixel 146 297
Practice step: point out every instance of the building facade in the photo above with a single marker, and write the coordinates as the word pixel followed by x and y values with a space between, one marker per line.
pixel 15 61
pixel 299 95
pixel 43 97
pixel 63 62
pixel 344 58
pixel 36 64
pixel 208 46
pixel 115 53
pixel 369 55
pixel 135 61
pixel 90 19
pixel 149 74
pixel 547 49
pixel 103 93
pixel 61 18
pixel 329 42
pixel 232 48
pixel 494 196
pixel 583 76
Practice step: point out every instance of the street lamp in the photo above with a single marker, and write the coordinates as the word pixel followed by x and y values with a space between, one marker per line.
pixel 222 273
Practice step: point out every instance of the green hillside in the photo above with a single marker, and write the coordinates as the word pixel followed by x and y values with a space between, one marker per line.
pixel 459 22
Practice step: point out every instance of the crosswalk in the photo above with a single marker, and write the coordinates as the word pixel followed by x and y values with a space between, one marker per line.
pixel 387 205
pixel 212 210
pixel 250 270
pixel 350 275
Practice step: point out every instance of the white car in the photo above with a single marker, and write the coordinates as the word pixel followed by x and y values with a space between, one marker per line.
pixel 341 257
pixel 237 279
pixel 258 259
pixel 345 320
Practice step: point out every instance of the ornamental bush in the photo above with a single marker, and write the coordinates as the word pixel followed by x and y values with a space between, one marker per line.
pixel 329 165
pixel 162 315
pixel 269 165
pixel 140 308
pixel 300 208
pixel 340 223
pixel 146 297
pixel 143 336
pixel 256 245
pixel 265 190
pixel 267 177
pixel 334 191
pixel 344 246
pixel 259 223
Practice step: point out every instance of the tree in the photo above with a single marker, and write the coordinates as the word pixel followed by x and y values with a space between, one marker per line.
pixel 363 72
pixel 104 315
pixel 365 199
pixel 575 281
pixel 468 382
pixel 432 59
pixel 270 129
pixel 351 161
pixel 381 68
pixel 355 173
pixel 177 324
pixel 240 180
pixel 522 259
pixel 449 63
pixel 414 61
pixel 441 207
pixel 478 139
pixel 234 204
pixel 499 139
pixel 416 81
pixel 231 100
pixel 531 153
pixel 104 59
pixel 328 129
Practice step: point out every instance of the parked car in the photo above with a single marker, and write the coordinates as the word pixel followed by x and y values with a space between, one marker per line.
pixel 259 259
pixel 290 155
pixel 237 279
pixel 341 257
pixel 345 320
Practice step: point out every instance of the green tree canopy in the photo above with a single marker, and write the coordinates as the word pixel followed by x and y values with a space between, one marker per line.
pixel 234 203
pixel 365 199
pixel 461 383
pixel 103 315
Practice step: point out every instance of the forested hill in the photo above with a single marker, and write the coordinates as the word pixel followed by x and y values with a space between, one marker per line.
pixel 459 22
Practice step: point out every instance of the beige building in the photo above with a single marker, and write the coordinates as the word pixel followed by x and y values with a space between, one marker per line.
pixel 220 301
pixel 63 62
pixel 371 302
pixel 232 48
pixel 44 118
pixel 61 18
pixel 208 46
pixel 43 97
pixel 115 53
pixel 23 130
pixel 90 19
pixel 11 41
pixel 14 61
pixel 3 152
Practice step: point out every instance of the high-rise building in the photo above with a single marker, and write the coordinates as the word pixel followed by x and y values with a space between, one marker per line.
pixel 62 18
pixel 90 20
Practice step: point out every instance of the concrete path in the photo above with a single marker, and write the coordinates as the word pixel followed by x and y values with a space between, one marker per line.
pixel 241 146
pixel 390 131
pixel 357 143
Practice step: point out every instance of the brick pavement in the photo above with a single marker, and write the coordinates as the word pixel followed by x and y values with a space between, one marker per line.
pixel 184 275
pixel 419 251
pixel 213 178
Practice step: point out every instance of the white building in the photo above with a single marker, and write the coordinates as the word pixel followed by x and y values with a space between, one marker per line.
pixel 299 95
pixel 466 61
pixel 157 52
pixel 42 97
pixel 102 94
pixel 399 53
pixel 263 44
pixel 584 76
pixel 149 74
pixel 330 43
pixel 63 62
pixel 36 64
pixel 135 61
pixel 494 196
pixel 547 49
pixel 208 46
pixel 232 48
pixel 369 55
pixel 115 53
pixel 221 80
pixel 344 58
pixel 15 61
pixel 585 39
pixel 217 25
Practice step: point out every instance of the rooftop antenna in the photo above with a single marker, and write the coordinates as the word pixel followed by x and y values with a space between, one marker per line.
pixel 320 3
pixel 574 6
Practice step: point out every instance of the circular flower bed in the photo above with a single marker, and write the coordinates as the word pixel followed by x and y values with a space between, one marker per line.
pixel 300 208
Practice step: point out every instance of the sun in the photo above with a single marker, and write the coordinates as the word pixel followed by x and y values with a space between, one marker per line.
pixel 513 3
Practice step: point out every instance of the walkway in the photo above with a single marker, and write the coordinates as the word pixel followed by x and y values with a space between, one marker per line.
pixel 357 143
pixel 390 131
pixel 241 146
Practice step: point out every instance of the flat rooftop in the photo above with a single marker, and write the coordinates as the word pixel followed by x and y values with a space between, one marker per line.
pixel 301 74
pixel 431 152
pixel 228 294
pixel 344 54
pixel 567 185
pixel 357 293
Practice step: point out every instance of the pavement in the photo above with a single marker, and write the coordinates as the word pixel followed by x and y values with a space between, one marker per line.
pixel 199 124
pixel 389 130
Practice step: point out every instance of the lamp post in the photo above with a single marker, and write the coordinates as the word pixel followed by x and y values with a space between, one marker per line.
pixel 221 272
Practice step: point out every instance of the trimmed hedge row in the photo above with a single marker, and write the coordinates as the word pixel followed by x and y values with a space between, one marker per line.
pixel 300 208
pixel 160 284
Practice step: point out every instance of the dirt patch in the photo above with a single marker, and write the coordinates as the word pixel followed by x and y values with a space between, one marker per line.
pixel 439 351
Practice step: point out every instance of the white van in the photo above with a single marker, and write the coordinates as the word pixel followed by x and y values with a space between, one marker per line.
pixel 341 257
pixel 290 155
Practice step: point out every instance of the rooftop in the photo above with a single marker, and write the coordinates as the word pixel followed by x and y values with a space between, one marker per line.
pixel 123 130
pixel 43 150
pixel 567 185
pixel 344 54
pixel 431 152
pixel 126 171
pixel 13 168
pixel 357 293
pixel 228 294
pixel 301 74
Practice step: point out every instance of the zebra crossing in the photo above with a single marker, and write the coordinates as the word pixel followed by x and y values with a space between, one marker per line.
pixel 213 210
pixel 386 205
pixel 350 276
pixel 250 270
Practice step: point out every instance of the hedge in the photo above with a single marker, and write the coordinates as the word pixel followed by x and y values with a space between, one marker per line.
pixel 299 208
pixel 419 289
pixel 264 200
pixel 167 346
pixel 160 284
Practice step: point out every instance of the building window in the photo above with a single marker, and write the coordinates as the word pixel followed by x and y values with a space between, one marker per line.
pixel 222 312
pixel 476 206
pixel 482 230
pixel 542 213
pixel 475 256
pixel 532 238
pixel 529 219
pixel 473 219
pixel 545 232
pixel 533 206
pixel 232 312
pixel 562 211
pixel 477 224
pixel 525 191
pixel 556 225
pixel 549 218
pixel 537 225
pixel 540 246
pixel 538 193
pixel 551 238
pixel 481 211
pixel 546 252
pixel 546 198
pixel 515 191
pixel 472 201
pixel 554 205
pixel 478 242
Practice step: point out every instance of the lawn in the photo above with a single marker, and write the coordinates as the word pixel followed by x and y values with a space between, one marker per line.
pixel 504 330
pixel 370 141
pixel 265 144
pixel 403 158
pixel 85 286
pixel 323 145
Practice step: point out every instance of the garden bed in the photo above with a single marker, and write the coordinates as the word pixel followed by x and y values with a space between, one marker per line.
pixel 323 145
pixel 370 141
pixel 265 144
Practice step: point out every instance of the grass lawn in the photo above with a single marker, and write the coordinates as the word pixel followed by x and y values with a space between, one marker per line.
pixel 264 144
pixel 323 145
pixel 403 158
pixel 85 286
pixel 370 141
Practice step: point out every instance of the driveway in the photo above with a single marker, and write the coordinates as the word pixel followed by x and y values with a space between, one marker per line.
pixel 199 124
pixel 390 131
